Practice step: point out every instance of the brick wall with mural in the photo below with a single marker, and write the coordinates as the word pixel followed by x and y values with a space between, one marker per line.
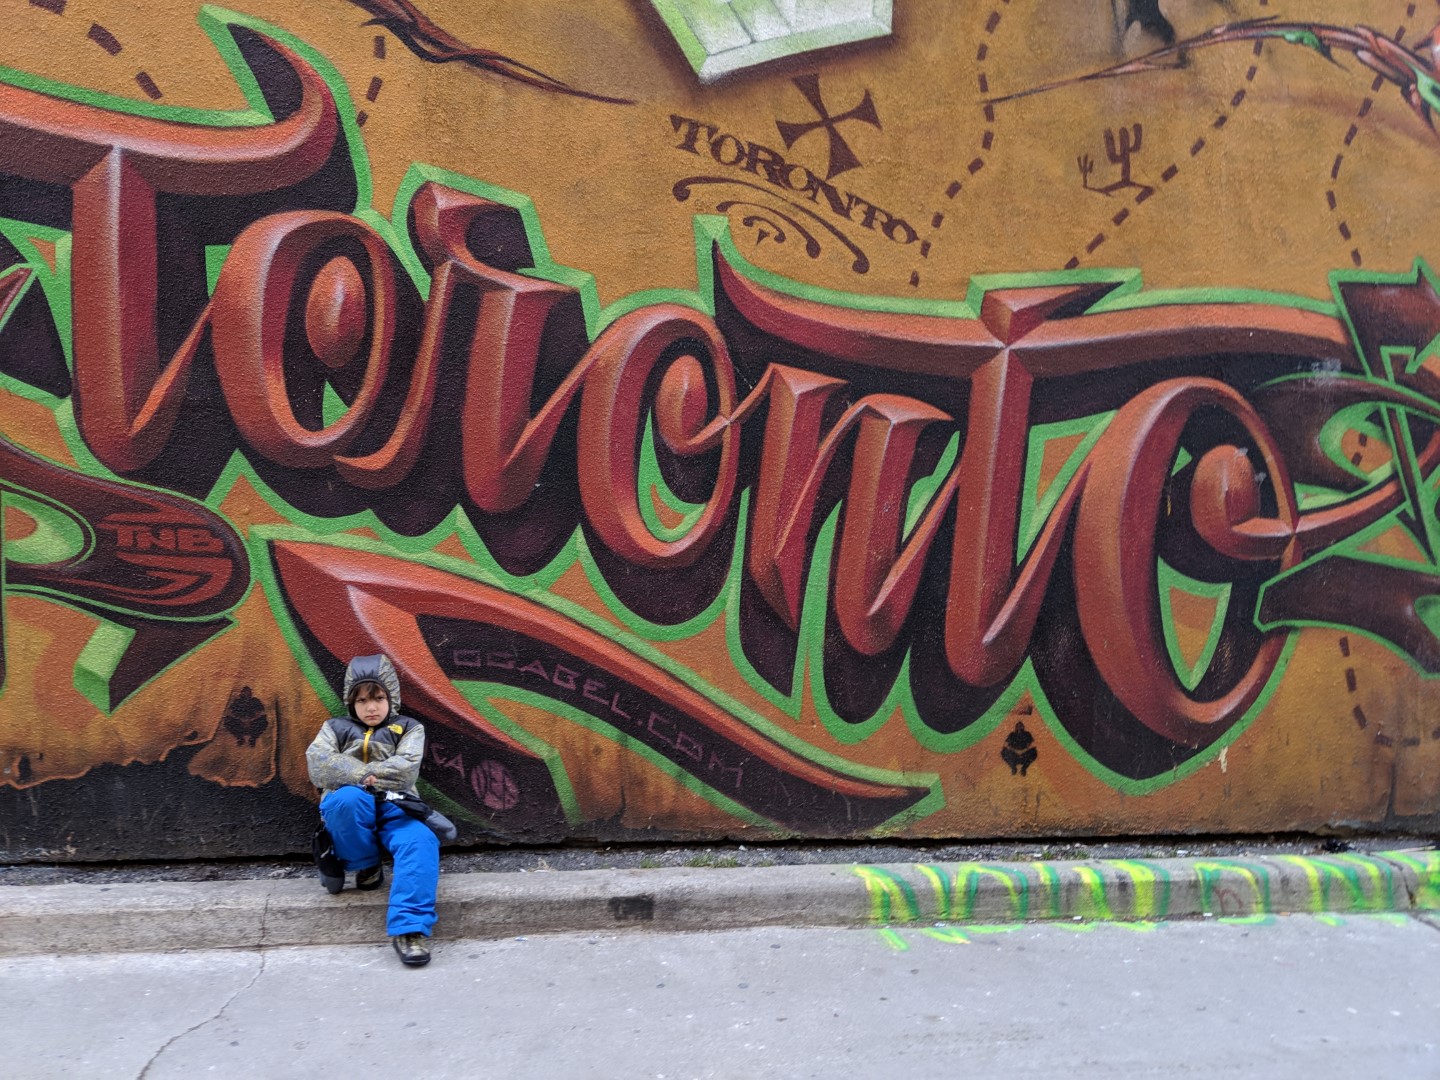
pixel 735 420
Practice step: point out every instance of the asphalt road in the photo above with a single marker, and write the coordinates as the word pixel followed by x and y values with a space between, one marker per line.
pixel 1289 996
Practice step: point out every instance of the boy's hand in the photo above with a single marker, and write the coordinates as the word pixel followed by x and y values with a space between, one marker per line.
pixel 369 781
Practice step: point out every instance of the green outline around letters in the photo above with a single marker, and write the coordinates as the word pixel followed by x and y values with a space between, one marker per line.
pixel 1168 578
pixel 711 233
pixel 262 536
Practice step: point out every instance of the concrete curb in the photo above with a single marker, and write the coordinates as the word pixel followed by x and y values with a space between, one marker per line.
pixel 250 914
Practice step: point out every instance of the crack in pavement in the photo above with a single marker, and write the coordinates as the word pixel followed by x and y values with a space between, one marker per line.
pixel 1409 889
pixel 1398 873
pixel 208 1020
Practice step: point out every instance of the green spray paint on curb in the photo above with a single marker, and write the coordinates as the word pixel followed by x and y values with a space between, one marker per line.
pixel 1132 892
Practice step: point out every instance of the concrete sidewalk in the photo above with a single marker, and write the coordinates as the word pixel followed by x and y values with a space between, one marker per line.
pixel 166 916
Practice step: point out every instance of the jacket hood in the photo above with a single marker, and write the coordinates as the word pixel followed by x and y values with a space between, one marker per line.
pixel 376 669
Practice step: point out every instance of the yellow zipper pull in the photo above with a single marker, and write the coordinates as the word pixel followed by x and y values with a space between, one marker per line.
pixel 365 747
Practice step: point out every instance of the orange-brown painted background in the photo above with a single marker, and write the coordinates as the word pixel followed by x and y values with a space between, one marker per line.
pixel 1257 170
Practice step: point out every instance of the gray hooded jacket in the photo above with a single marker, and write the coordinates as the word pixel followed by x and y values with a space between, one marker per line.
pixel 346 751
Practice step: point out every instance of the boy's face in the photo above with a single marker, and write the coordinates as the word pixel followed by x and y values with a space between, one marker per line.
pixel 372 704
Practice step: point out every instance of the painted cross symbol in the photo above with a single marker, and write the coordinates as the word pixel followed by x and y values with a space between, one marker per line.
pixel 842 157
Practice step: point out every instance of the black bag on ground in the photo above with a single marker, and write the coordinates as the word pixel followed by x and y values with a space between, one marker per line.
pixel 420 810
pixel 332 871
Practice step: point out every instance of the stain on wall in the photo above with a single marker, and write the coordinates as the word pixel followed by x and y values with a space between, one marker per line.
pixel 1023 421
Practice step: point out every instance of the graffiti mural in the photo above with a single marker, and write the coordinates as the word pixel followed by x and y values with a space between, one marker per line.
pixel 796 450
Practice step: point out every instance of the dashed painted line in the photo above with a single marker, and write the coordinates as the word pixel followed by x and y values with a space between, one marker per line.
pixel 982 80
pixel 987 135
pixel 1362 721
pixel 1173 169
pixel 107 42
pixel 936 220
pixel 1342 226
pixel 146 83
pixel 372 92
pixel 104 38
pixel 1351 683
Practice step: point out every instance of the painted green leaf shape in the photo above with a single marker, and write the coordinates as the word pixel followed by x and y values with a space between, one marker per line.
pixel 1168 579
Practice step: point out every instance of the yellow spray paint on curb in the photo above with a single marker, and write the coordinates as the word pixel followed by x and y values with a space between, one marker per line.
pixel 1228 887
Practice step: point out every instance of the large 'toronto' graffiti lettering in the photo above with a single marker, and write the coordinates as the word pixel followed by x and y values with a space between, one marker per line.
pixel 855 472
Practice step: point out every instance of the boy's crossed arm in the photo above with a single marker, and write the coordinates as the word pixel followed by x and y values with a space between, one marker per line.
pixel 401 770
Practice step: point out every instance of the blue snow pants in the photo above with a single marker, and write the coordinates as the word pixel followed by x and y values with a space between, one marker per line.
pixel 349 814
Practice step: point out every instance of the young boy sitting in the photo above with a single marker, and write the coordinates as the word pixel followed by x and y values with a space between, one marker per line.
pixel 355 759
